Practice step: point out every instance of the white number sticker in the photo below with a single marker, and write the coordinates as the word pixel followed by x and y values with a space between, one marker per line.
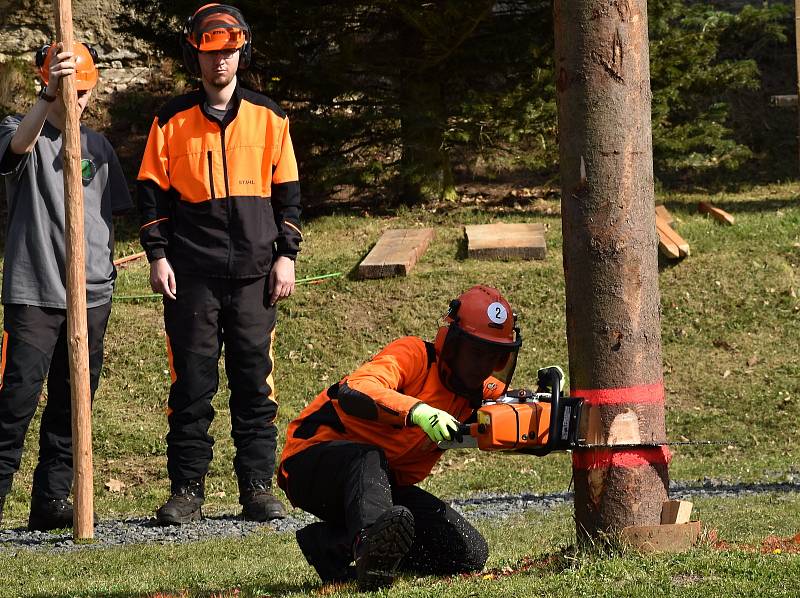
pixel 497 313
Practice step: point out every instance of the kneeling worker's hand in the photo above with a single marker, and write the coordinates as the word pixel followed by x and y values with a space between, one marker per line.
pixel 437 424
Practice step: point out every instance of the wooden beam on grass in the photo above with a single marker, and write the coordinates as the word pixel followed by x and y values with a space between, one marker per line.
pixel 505 241
pixel 77 335
pixel 396 253
pixel 664 213
pixel 715 212
pixel 129 258
pixel 670 240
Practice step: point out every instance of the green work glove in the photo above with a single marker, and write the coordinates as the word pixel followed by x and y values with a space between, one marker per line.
pixel 437 424
pixel 544 375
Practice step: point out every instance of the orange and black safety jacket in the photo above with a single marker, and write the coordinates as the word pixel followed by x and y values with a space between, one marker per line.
pixel 371 406
pixel 220 198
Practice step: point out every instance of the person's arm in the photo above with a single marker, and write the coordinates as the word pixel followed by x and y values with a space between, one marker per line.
pixel 154 210
pixel 61 65
pixel 286 209
pixel 373 391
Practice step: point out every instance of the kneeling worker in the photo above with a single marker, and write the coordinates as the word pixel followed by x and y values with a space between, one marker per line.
pixel 353 455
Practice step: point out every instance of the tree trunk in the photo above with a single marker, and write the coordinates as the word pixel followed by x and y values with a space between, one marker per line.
pixel 425 172
pixel 610 259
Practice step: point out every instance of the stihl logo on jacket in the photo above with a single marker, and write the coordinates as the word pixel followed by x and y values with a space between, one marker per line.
pixel 220 198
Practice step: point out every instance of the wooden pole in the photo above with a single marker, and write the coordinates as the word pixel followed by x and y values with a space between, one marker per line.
pixel 610 260
pixel 78 342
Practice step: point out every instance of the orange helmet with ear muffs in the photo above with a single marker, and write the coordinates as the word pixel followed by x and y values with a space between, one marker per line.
pixel 85 58
pixel 215 27
pixel 479 340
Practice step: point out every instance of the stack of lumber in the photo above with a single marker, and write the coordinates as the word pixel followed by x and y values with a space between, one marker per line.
pixel 504 241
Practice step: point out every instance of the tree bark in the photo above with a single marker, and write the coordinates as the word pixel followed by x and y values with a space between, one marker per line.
pixel 77 336
pixel 610 259
pixel 797 60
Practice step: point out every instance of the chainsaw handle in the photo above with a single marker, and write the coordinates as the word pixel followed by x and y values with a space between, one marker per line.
pixel 553 377
pixel 464 430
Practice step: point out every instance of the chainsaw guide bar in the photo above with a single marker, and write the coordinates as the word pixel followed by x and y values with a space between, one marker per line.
pixel 538 423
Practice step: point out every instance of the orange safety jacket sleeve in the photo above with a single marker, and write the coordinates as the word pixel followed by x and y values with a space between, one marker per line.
pixel 374 391
pixel 154 195
pixel 286 197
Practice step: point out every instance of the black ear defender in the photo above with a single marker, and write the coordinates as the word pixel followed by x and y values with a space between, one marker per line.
pixel 188 50
pixel 453 308
pixel 41 55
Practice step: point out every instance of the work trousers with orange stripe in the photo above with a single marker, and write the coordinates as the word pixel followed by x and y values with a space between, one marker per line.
pixel 35 346
pixel 207 314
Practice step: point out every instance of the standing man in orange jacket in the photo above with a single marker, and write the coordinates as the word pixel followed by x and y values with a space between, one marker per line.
pixel 220 206
pixel 353 455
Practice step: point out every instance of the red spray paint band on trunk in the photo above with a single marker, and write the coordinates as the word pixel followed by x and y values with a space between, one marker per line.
pixel 647 394
pixel 626 458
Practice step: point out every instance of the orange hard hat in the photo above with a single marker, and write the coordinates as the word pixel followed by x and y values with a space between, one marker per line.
pixel 84 57
pixel 478 340
pixel 216 27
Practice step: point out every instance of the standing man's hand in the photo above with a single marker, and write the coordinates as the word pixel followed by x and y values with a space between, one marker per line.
pixel 281 279
pixel 162 278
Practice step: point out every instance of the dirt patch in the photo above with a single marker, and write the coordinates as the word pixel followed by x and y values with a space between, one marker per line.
pixel 769 545
pixel 777 545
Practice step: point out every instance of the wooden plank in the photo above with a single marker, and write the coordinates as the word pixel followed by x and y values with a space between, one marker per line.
pixel 396 253
pixel 667 231
pixel 675 537
pixel 784 101
pixel 129 258
pixel 661 210
pixel 503 241
pixel 718 214
pixel 667 248
pixel 676 511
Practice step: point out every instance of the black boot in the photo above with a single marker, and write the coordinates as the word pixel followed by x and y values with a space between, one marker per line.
pixel 258 502
pixel 184 504
pixel 2 505
pixel 329 554
pixel 49 513
pixel 380 547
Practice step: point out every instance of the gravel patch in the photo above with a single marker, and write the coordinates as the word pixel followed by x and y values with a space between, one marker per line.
pixel 110 533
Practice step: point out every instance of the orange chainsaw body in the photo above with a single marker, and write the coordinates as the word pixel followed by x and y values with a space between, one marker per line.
pixel 509 426
pixel 525 423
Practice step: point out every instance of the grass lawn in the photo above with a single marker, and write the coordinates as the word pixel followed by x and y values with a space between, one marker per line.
pixel 730 332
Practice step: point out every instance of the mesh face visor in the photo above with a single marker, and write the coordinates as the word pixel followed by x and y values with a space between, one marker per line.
pixel 218 29
pixel 469 361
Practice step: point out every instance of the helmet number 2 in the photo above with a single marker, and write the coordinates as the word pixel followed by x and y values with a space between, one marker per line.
pixel 497 313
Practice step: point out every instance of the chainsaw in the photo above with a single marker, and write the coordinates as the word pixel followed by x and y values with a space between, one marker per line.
pixel 535 423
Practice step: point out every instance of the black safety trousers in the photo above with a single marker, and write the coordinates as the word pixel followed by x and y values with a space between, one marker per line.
pixel 207 314
pixel 348 485
pixel 35 346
